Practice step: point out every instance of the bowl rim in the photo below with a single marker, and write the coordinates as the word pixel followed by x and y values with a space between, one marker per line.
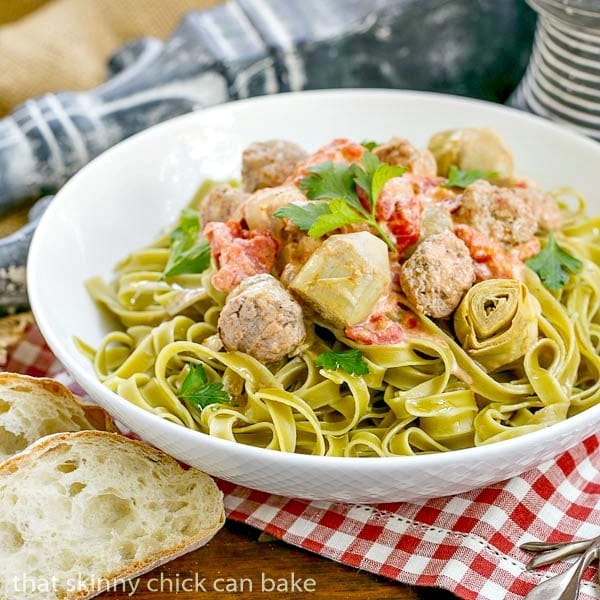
pixel 434 460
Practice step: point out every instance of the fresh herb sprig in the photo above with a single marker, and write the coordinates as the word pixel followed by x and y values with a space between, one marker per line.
pixel 328 180
pixel 351 361
pixel 198 392
pixel 554 265
pixel 336 203
pixel 186 255
pixel 339 213
pixel 370 145
pixel 462 179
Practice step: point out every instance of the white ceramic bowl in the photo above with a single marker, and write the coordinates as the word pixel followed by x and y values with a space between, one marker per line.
pixel 122 199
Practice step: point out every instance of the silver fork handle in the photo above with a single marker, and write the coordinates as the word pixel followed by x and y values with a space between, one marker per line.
pixel 566 585
pixel 550 553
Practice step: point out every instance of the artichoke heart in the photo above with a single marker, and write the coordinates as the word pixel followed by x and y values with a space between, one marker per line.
pixel 475 148
pixel 497 322
pixel 343 279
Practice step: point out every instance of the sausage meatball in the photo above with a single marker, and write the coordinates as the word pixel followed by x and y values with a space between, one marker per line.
pixel 544 208
pixel 221 204
pixel 262 319
pixel 269 164
pixel 398 151
pixel 502 214
pixel 438 274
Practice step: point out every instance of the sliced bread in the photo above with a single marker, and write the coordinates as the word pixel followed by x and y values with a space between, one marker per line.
pixel 33 407
pixel 81 512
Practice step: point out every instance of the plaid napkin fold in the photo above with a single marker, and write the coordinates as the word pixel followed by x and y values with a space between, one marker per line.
pixel 467 544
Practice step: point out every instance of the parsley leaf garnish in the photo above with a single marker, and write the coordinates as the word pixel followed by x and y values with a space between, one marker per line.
pixel 195 260
pixel 369 145
pixel 329 180
pixel 187 256
pixel 332 187
pixel 363 177
pixel 198 392
pixel 554 265
pixel 339 214
pixel 382 174
pixel 303 216
pixel 463 179
pixel 374 175
pixel 351 361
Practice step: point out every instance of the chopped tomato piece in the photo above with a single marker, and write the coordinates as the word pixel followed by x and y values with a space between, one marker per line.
pixel 429 190
pixel 410 320
pixel 378 329
pixel 481 247
pixel 491 258
pixel 528 249
pixel 239 253
pixel 363 198
pixel 424 184
pixel 400 209
pixel 340 150
pixel 387 324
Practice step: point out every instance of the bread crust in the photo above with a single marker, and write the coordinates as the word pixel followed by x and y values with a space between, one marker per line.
pixel 108 441
pixel 51 386
pixel 98 418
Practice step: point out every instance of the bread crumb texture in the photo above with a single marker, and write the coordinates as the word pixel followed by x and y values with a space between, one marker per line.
pixel 31 408
pixel 90 506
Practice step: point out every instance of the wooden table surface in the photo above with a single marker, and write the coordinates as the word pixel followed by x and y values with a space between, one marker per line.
pixel 240 562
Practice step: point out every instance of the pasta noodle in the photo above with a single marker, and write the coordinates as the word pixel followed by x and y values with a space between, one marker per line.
pixel 523 358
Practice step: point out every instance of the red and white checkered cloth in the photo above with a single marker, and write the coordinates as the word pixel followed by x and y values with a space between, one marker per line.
pixel 467 544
